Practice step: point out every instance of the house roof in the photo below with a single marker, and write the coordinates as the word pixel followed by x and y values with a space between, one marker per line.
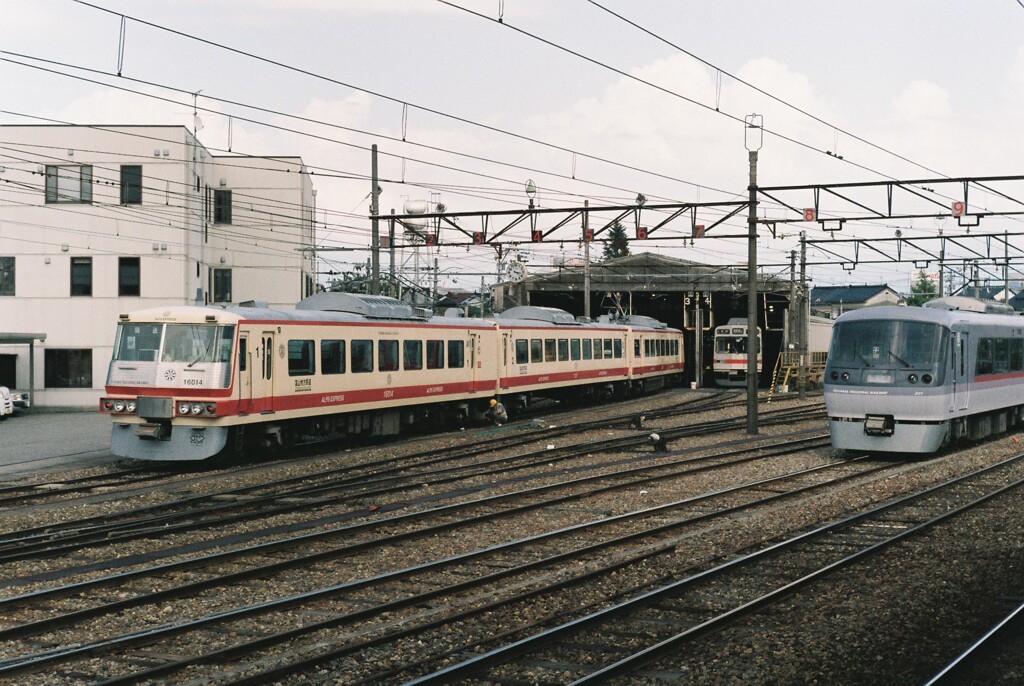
pixel 984 292
pixel 830 295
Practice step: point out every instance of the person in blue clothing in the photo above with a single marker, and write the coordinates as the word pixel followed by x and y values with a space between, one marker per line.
pixel 497 413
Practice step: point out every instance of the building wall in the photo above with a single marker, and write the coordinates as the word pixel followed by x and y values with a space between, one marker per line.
pixel 171 232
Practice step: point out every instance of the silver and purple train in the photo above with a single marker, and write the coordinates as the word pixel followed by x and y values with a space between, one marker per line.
pixel 914 379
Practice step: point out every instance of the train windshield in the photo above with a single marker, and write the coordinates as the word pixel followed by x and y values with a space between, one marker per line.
pixel 732 344
pixel 188 343
pixel 887 343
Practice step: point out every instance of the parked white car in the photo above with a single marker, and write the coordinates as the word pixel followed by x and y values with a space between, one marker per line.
pixel 6 403
pixel 21 399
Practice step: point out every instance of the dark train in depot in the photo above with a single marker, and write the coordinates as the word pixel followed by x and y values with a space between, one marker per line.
pixel 914 379
pixel 192 382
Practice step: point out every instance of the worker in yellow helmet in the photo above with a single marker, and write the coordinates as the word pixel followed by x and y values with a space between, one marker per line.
pixel 497 413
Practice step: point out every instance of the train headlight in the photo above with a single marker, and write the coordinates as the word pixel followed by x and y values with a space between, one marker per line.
pixel 846 376
pixel 197 408
pixel 184 408
pixel 927 378
pixel 835 376
pixel 912 378
pixel 118 406
pixel 130 406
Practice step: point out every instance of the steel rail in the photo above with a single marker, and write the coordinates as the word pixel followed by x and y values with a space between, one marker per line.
pixel 487 579
pixel 474 666
pixel 115 532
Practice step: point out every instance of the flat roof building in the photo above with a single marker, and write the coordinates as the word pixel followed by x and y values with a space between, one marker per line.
pixel 100 220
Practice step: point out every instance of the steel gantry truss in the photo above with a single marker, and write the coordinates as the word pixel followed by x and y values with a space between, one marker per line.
pixel 494 227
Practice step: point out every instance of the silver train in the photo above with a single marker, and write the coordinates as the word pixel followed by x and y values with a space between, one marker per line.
pixel 914 379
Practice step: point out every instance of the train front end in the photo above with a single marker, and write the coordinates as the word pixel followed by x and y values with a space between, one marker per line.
pixel 887 386
pixel 169 384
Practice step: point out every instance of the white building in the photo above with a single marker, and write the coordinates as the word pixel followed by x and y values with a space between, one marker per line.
pixel 99 220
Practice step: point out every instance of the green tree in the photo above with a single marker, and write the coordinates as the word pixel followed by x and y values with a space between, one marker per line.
pixel 922 290
pixel 617 244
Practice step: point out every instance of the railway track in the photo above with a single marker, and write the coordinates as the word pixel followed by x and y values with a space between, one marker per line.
pixel 517 561
pixel 662 622
pixel 361 487
pixel 127 480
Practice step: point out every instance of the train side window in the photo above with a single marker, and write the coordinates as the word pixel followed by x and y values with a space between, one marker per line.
pixel 597 348
pixel 647 348
pixel 300 358
pixel 549 350
pixel 608 349
pixel 1016 355
pixel 332 357
pixel 984 365
pixel 574 349
pixel 563 349
pixel 362 356
pixel 435 354
pixel 387 352
pixel 536 350
pixel 617 343
pixel 636 347
pixel 412 355
pixel 243 354
pixel 522 351
pixel 456 354
pixel 1001 355
pixel 588 349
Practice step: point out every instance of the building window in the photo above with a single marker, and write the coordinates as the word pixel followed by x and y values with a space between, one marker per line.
pixel 69 184
pixel 68 368
pixel 6 276
pixel 131 184
pixel 222 207
pixel 128 276
pixel 81 276
pixel 221 285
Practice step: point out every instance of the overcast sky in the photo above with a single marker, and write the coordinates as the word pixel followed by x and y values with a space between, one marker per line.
pixel 901 89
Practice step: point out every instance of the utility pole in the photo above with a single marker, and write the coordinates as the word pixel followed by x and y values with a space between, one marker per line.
pixel 753 139
pixel 793 338
pixel 374 225
pixel 392 290
pixel 805 319
pixel 586 263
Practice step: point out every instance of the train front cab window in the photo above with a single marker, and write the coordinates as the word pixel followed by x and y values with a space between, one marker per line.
pixel 888 343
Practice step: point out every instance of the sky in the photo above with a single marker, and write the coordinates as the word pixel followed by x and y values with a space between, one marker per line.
pixel 465 109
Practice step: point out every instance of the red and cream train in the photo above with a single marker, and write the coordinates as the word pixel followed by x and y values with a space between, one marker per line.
pixel 186 383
